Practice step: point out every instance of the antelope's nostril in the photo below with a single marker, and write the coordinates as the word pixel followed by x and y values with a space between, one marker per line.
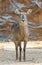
pixel 23 20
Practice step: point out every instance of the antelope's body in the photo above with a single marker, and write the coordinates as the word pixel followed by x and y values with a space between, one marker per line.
pixel 21 33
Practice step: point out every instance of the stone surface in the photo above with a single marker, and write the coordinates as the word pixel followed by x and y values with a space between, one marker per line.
pixel 33 57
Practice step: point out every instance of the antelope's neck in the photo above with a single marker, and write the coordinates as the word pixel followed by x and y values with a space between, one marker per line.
pixel 25 28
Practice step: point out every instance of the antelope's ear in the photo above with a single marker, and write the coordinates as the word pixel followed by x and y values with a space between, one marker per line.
pixel 17 11
pixel 29 11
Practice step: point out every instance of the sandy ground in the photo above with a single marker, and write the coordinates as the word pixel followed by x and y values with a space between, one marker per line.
pixel 33 57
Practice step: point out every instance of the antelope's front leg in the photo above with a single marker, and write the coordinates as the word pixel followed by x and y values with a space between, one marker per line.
pixel 24 51
pixel 16 52
pixel 20 51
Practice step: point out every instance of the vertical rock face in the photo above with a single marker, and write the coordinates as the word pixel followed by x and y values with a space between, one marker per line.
pixel 8 7
pixel 26 2
pixel 4 4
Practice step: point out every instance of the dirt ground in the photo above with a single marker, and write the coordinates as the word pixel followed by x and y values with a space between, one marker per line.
pixel 33 57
